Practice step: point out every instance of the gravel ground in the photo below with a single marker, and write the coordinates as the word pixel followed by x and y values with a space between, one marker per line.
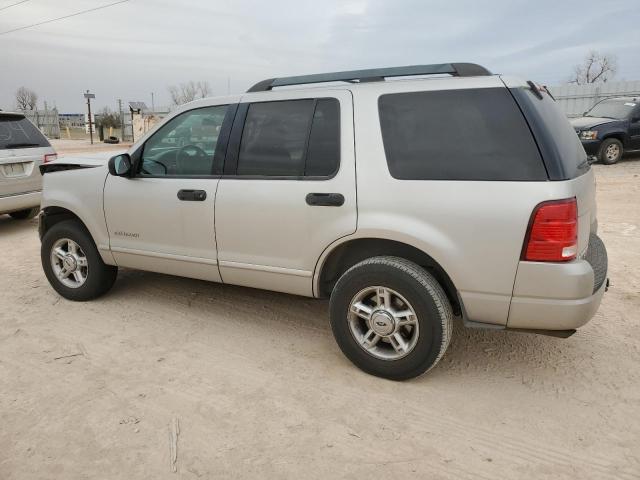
pixel 232 382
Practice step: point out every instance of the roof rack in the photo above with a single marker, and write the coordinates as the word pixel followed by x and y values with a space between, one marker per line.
pixel 375 75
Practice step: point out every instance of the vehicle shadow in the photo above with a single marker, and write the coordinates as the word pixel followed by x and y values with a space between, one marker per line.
pixel 472 354
pixel 8 225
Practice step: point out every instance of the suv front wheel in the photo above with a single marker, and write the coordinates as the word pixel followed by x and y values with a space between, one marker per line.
pixel 73 264
pixel 611 151
pixel 391 318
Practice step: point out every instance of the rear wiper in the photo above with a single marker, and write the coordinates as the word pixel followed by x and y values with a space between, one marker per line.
pixel 21 145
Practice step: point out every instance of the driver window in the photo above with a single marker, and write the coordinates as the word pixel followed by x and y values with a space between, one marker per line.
pixel 185 145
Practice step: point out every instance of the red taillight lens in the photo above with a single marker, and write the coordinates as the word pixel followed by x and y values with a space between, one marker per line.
pixel 553 232
pixel 50 157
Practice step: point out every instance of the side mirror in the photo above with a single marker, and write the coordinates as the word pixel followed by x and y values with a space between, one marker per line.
pixel 120 165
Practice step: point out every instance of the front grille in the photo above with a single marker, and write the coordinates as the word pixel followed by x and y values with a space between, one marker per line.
pixel 597 258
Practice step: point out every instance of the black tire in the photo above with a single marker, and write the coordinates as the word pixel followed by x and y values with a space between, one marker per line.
pixel 605 151
pixel 423 293
pixel 100 276
pixel 25 214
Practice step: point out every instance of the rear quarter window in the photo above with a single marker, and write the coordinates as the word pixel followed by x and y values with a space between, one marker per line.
pixel 561 149
pixel 471 134
pixel 18 132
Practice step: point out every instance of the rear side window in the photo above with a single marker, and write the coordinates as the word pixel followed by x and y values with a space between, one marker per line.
pixel 323 156
pixel 18 132
pixel 471 134
pixel 292 138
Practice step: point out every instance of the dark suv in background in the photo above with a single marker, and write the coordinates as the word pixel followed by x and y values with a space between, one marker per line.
pixel 610 128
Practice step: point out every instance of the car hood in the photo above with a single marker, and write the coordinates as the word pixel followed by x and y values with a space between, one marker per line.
pixel 93 159
pixel 72 162
pixel 588 122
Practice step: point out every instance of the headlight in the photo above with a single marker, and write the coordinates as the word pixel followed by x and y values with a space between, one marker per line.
pixel 588 134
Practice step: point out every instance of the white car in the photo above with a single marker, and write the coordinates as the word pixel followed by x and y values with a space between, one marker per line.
pixel 23 148
pixel 407 202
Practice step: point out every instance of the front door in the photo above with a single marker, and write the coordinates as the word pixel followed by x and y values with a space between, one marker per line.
pixel 288 190
pixel 162 219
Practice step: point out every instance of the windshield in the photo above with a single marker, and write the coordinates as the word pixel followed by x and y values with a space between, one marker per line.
pixel 618 109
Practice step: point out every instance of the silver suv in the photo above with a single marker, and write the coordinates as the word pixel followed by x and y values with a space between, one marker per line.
pixel 23 148
pixel 407 202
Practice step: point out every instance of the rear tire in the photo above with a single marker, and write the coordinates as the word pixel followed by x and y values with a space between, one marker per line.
pixel 72 263
pixel 391 317
pixel 25 214
pixel 611 151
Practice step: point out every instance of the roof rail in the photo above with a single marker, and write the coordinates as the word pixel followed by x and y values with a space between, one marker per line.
pixel 375 75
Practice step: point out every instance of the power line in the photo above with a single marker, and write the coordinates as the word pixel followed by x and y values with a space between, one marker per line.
pixel 62 18
pixel 13 4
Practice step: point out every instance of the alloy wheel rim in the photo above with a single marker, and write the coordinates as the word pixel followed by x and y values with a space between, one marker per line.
pixel 612 151
pixel 383 323
pixel 69 263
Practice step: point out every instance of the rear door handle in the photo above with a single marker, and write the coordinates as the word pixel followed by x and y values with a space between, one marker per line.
pixel 325 199
pixel 192 195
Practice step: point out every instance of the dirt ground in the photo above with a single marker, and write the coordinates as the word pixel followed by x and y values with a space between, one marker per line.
pixel 250 384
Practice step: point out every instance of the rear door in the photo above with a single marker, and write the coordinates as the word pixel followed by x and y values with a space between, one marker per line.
pixel 22 150
pixel 288 190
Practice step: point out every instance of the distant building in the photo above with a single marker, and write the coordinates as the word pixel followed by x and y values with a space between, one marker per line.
pixel 72 120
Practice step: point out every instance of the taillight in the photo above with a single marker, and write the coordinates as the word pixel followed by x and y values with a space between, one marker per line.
pixel 553 232
pixel 50 157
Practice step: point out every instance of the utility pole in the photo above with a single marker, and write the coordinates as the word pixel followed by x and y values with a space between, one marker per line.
pixel 153 108
pixel 89 96
pixel 121 119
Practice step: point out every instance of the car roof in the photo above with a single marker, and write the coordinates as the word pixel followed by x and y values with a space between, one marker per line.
pixel 625 98
pixel 13 114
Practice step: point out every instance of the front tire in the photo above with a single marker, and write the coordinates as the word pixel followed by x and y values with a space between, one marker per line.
pixel 611 151
pixel 72 263
pixel 27 214
pixel 391 317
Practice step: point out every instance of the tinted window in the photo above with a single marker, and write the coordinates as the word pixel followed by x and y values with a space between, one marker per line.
pixel 323 156
pixel 560 146
pixel 185 145
pixel 18 132
pixel 473 134
pixel 274 138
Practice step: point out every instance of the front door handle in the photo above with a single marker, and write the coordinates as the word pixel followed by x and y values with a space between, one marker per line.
pixel 192 195
pixel 325 199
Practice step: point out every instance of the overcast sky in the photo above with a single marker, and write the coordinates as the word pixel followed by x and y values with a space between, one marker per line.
pixel 132 49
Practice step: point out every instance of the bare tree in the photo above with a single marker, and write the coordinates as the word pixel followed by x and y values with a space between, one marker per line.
pixel 26 99
pixel 106 118
pixel 595 68
pixel 187 92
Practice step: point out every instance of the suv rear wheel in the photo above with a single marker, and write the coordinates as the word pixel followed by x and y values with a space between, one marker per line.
pixel 73 264
pixel 391 318
pixel 611 151
pixel 25 214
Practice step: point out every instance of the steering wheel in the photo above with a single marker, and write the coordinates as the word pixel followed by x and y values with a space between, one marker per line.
pixel 199 152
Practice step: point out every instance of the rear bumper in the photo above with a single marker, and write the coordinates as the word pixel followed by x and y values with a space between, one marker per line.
pixel 559 296
pixel 21 201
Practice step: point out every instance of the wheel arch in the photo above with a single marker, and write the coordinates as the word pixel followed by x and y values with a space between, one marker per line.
pixel 617 135
pixel 343 256
pixel 54 214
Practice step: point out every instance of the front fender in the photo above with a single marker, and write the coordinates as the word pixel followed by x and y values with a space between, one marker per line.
pixel 81 192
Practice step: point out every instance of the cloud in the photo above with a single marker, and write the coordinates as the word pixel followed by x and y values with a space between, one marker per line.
pixel 141 46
